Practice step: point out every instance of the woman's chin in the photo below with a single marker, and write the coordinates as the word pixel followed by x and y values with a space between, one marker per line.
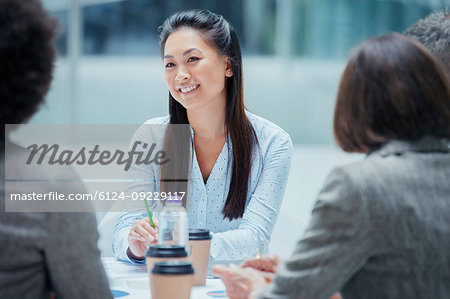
pixel 189 104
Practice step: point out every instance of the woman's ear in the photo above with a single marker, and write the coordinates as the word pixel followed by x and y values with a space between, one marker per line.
pixel 228 70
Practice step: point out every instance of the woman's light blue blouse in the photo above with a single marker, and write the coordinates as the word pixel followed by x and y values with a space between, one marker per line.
pixel 231 240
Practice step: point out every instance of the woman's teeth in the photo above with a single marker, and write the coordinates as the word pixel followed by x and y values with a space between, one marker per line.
pixel 188 89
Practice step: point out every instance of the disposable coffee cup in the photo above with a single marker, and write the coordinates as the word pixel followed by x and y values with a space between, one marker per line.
pixel 161 253
pixel 171 280
pixel 199 245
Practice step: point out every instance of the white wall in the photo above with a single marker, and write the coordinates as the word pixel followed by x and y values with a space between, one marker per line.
pixel 296 94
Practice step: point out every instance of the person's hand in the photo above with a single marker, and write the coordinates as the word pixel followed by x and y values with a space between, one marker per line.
pixel 142 235
pixel 266 263
pixel 241 283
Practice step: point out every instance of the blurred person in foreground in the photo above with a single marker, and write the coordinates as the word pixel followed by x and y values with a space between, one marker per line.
pixel 433 32
pixel 380 227
pixel 42 255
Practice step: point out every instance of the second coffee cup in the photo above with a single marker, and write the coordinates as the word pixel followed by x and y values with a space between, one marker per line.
pixel 199 245
pixel 160 253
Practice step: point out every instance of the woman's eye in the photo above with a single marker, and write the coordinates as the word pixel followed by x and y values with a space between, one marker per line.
pixel 169 65
pixel 191 59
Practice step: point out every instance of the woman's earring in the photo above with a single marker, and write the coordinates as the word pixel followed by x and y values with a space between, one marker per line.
pixel 228 73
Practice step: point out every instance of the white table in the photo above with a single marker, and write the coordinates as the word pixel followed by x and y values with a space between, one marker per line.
pixel 134 280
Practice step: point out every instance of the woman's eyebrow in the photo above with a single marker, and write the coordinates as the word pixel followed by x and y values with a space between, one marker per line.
pixel 184 53
pixel 190 50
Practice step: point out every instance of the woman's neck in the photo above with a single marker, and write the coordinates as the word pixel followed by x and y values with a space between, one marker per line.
pixel 208 122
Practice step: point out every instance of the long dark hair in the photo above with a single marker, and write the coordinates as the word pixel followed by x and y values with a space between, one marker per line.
pixel 218 32
pixel 392 88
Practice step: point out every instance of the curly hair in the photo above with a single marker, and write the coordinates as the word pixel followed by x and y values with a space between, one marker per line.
pixel 433 32
pixel 27 56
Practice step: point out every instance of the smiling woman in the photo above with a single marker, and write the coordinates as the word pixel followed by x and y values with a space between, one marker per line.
pixel 241 160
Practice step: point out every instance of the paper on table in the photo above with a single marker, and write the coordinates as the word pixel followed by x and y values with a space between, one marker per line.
pixel 118 269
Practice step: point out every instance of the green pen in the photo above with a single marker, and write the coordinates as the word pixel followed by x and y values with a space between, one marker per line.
pixel 149 213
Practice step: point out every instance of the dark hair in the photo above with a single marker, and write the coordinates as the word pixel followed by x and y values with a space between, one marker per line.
pixel 27 56
pixel 216 31
pixel 392 88
pixel 433 32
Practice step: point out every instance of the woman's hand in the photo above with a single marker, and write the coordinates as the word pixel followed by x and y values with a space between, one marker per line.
pixel 247 283
pixel 142 235
pixel 266 263
pixel 241 283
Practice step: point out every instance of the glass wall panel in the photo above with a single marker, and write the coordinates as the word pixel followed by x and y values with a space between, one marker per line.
pixel 131 27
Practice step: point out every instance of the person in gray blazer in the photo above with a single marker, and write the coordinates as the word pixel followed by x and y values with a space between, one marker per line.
pixel 380 228
pixel 42 255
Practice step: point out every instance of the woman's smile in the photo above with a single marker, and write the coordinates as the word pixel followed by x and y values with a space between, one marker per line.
pixel 188 89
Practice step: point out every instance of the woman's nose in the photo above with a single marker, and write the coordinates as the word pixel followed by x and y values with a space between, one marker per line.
pixel 182 75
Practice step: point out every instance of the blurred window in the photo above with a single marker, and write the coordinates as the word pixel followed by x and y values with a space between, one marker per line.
pixel 131 27
pixel 316 28
pixel 330 28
